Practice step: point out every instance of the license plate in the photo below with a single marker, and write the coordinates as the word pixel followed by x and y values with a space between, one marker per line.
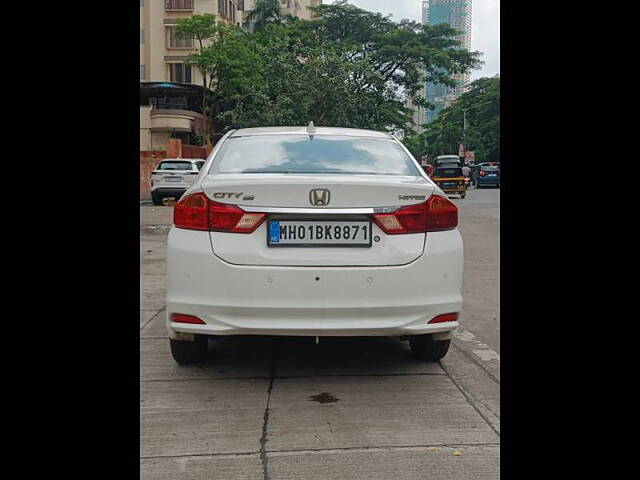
pixel 318 233
pixel 172 179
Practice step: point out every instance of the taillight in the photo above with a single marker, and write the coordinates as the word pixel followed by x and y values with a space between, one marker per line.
pixel 436 214
pixel 230 218
pixel 192 212
pixel 447 317
pixel 197 212
pixel 182 318
pixel 482 173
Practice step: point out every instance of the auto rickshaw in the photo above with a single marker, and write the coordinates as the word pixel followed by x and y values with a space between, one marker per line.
pixel 450 179
pixel 448 160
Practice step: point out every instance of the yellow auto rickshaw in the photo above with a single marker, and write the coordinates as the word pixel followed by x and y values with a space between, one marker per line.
pixel 450 179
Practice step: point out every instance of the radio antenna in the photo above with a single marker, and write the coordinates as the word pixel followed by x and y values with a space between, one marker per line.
pixel 311 130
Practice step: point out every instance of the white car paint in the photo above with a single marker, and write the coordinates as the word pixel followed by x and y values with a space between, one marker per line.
pixel 239 286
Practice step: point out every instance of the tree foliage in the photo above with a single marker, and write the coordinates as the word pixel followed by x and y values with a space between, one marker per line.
pixel 265 12
pixel 481 107
pixel 347 68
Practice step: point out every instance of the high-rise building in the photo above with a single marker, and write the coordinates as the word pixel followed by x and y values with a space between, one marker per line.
pixel 456 13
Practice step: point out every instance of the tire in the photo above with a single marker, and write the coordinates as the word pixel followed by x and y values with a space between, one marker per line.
pixel 464 194
pixel 157 200
pixel 424 347
pixel 188 353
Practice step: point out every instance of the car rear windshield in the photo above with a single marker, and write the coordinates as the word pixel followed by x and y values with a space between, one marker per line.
pixel 317 155
pixel 449 172
pixel 173 165
pixel 199 165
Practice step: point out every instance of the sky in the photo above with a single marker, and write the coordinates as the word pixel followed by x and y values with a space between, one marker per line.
pixel 485 26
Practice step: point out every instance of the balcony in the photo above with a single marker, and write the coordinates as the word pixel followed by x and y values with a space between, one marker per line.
pixel 172 120
pixel 178 5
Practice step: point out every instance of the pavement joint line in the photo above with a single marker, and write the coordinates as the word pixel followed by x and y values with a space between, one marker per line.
pixel 472 401
pixel 378 448
pixel 326 450
pixel 201 379
pixel 265 421
pixel 154 316
pixel 476 362
pixel 196 455
pixel 425 374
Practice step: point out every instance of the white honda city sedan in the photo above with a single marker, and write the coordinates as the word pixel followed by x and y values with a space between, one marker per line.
pixel 313 232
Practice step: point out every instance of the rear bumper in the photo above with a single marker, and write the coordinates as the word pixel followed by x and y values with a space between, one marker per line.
pixel 312 301
pixel 492 181
pixel 168 191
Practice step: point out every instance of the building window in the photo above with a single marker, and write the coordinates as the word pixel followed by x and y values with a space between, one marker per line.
pixel 180 73
pixel 232 12
pixel 142 71
pixel 141 35
pixel 177 42
pixel 178 4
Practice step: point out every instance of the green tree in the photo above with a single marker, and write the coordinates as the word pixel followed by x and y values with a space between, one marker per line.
pixel 264 13
pixel 201 29
pixel 480 105
pixel 228 62
pixel 349 67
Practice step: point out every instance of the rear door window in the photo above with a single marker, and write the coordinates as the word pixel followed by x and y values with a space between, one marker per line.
pixel 174 165
pixel 449 172
pixel 320 154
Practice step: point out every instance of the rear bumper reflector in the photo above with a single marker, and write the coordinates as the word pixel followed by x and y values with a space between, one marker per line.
pixel 182 318
pixel 446 317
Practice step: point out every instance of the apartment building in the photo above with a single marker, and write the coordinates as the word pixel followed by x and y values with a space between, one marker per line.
pixel 169 86
pixel 162 54
pixel 168 109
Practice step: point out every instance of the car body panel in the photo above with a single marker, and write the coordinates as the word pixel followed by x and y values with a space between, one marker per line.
pixel 238 285
pixel 333 301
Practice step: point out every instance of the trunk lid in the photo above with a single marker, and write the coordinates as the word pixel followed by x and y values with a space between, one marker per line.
pixel 290 194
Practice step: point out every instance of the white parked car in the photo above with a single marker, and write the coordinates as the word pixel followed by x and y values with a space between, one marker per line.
pixel 173 176
pixel 313 232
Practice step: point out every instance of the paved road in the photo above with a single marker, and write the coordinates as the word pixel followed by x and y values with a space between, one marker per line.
pixel 276 408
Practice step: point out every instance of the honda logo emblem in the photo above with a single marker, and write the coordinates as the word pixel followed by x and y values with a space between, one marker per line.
pixel 319 197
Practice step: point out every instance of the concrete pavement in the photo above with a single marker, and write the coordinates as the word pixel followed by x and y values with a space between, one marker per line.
pixel 275 407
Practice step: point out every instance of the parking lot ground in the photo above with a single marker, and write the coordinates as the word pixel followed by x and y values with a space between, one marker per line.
pixel 284 407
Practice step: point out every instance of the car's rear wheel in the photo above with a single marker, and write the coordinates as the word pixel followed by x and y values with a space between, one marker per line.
pixel 187 353
pixel 424 347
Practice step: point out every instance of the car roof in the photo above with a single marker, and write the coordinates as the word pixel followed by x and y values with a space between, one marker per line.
pixel 183 160
pixel 351 132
